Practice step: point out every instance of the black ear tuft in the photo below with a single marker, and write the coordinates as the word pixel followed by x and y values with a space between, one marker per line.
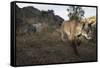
pixel 83 25
pixel 89 25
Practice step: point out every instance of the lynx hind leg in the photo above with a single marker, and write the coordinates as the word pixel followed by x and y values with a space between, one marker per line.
pixel 62 37
pixel 61 34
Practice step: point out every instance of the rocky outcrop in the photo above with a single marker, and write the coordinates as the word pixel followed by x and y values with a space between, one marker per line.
pixel 29 17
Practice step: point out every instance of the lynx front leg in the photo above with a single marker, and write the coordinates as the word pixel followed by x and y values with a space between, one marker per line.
pixel 74 47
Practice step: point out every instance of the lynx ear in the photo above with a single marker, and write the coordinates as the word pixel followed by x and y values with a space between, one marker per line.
pixel 84 20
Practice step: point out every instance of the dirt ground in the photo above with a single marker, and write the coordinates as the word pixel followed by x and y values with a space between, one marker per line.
pixel 47 48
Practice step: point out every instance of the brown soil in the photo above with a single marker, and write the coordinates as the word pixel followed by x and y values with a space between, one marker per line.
pixel 47 48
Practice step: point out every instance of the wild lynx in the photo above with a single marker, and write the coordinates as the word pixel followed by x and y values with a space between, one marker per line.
pixel 74 29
